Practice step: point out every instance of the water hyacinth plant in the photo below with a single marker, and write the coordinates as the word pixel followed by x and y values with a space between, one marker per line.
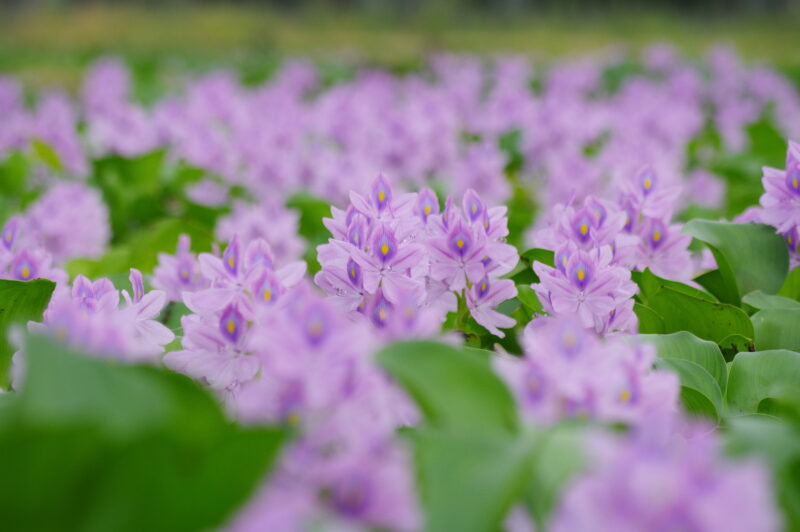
pixel 483 295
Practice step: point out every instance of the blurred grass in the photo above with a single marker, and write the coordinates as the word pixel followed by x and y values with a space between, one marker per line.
pixel 50 47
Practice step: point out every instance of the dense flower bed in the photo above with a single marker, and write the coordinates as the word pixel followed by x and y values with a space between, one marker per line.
pixel 486 294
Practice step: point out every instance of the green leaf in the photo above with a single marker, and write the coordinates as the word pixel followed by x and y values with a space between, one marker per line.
pixel 777 328
pixel 749 256
pixel 13 174
pixel 528 299
pixel 20 302
pixel 468 483
pixel 142 250
pixel 455 389
pixel 559 458
pixel 762 375
pixel 649 320
pixel 791 286
pixel 312 211
pixel 100 446
pixel 47 155
pixel 686 346
pixel 760 300
pixel 716 285
pixel 683 308
pixel 700 393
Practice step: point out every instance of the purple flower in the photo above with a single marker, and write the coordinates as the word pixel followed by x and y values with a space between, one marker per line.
pixel 678 483
pixel 179 273
pixel 568 371
pixel 70 220
pixel 781 198
pixel 388 263
pixel 216 353
pixel 588 285
pixel 484 296
pixel 147 307
pixel 458 256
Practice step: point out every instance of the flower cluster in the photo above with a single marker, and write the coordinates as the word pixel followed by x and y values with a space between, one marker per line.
pixel 781 201
pixel 21 259
pixel 394 258
pixel 568 372
pixel 674 482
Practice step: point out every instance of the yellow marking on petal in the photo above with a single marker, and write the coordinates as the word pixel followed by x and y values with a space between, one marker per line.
pixel 474 208
pixel 26 272
pixel 483 287
pixel 293 420
pixel 789 239
pixel 184 274
pixel 427 209
pixel 315 328
pixel 381 196
pixel 625 395
pixel 459 243
pixel 231 327
pixel 8 235
pixel 647 184
pixel 267 294
pixel 564 261
pixel 569 339
pixel 352 272
pixel 385 248
pixel 581 274
pixel 656 236
pixel 231 262
pixel 356 238
pixel 794 183
pixel 382 314
pixel 584 229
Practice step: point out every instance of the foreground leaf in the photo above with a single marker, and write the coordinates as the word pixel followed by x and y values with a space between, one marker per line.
pixel 20 302
pixel 455 389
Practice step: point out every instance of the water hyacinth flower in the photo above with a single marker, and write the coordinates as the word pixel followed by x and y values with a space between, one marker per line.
pixel 21 259
pixel 179 273
pixel 216 350
pixel 673 483
pixel 245 279
pixel 781 199
pixel 585 284
pixel 484 296
pixel 147 307
pixel 569 372
pixel 387 264
pixel 457 257
pixel 69 220
pixel 664 250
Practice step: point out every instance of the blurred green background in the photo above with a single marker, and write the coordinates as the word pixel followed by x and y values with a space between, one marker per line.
pixel 48 43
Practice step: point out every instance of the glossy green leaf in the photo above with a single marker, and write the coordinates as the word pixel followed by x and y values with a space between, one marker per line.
pixel 99 446
pixel 749 256
pixel 142 251
pixel 686 346
pixel 20 302
pixel 683 308
pixel 777 328
pixel 761 375
pixel 312 210
pixel 791 286
pixel 559 457
pixel 760 300
pixel 469 482
pixel 700 393
pixel 455 389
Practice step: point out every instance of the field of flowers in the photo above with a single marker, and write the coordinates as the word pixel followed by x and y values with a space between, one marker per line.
pixel 486 294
